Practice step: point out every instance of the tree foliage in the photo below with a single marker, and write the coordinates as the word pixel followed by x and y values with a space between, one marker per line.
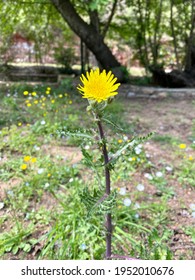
pixel 159 32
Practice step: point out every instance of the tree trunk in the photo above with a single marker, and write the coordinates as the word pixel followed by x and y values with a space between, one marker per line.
pixel 89 35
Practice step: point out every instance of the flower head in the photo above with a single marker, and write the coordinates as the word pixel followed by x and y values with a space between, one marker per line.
pixel 122 191
pixel 140 187
pixel 83 247
pixel 27 158
pixel 33 160
pixel 23 166
pixel 98 86
pixel 127 202
pixel 148 176
pixel 40 170
pixel 159 174
pixel 182 146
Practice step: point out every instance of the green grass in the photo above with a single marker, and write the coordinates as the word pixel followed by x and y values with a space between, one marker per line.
pixel 165 139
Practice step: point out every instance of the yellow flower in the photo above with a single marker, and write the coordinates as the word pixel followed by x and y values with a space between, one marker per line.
pixel 120 141
pixel 19 124
pixel 48 175
pixel 48 88
pixel 36 102
pixel 70 102
pixel 52 101
pixel 34 93
pixel 23 166
pixel 25 92
pixel 47 92
pixel 182 146
pixel 98 86
pixel 33 160
pixel 60 95
pixel 191 158
pixel 27 158
pixel 28 104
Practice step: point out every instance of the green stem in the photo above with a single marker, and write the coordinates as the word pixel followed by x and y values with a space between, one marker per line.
pixel 107 177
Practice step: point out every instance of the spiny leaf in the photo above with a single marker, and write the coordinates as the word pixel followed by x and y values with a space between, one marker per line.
pixel 132 144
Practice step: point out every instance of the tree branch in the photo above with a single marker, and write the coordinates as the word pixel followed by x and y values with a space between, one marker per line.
pixel 106 27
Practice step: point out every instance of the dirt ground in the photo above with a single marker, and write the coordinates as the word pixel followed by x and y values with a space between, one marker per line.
pixel 173 118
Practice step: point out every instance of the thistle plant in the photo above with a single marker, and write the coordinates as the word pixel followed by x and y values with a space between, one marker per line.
pixel 99 88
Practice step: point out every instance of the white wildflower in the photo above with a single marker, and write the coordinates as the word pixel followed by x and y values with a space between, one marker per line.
pixel 1 205
pixel 43 122
pixel 122 191
pixel 83 247
pixel 148 176
pixel 127 202
pixel 136 206
pixel 159 174
pixel 169 168
pixel 40 170
pixel 192 206
pixel 140 187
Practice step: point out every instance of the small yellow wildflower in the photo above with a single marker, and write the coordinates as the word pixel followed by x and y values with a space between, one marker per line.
pixel 44 98
pixel 120 141
pixel 27 158
pixel 60 95
pixel 34 93
pixel 191 158
pixel 45 114
pixel 33 160
pixel 66 94
pixel 36 102
pixel 23 166
pixel 43 104
pixel 48 175
pixel 98 86
pixel 47 92
pixel 29 104
pixel 70 102
pixel 19 124
pixel 48 88
pixel 25 92
pixel 52 101
pixel 133 158
pixel 27 101
pixel 27 124
pixel 182 146
pixel 119 206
